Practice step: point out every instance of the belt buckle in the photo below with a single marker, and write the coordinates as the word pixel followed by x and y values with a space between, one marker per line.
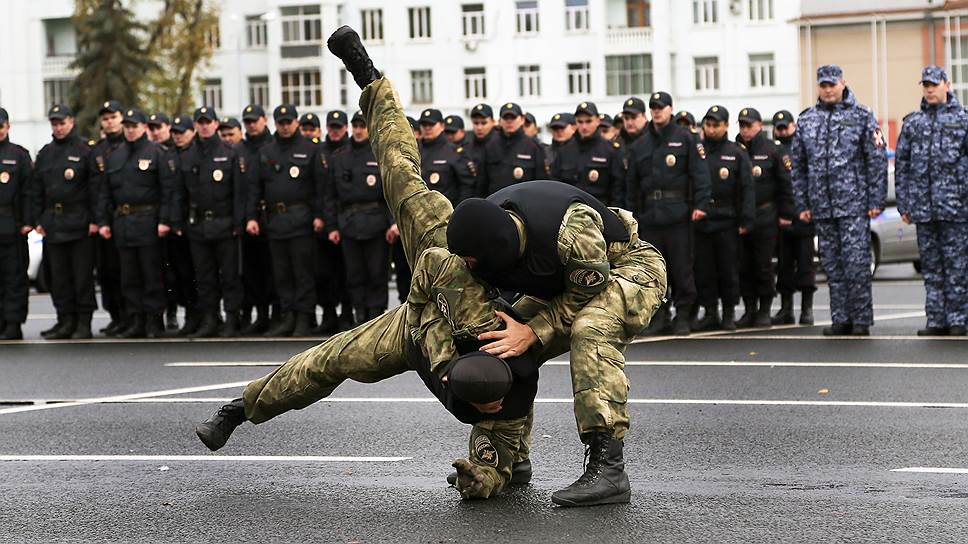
pixel 280 207
pixel 657 195
pixel 209 215
pixel 125 209
pixel 58 208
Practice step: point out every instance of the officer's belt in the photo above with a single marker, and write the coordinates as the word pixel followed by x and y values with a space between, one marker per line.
pixel 127 209
pixel 362 206
pixel 208 215
pixel 283 207
pixel 665 195
pixel 61 207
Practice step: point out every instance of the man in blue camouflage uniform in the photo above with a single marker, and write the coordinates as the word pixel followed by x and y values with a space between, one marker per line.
pixel 930 169
pixel 840 182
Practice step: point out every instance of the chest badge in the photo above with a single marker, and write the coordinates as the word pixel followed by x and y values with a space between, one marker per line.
pixel 518 172
pixel 434 178
pixel 4 177
pixel 371 180
pixel 144 164
pixel 723 173
pixel 670 160
pixel 294 172
pixel 757 171
pixel 593 176
pixel 217 175
pixel 69 174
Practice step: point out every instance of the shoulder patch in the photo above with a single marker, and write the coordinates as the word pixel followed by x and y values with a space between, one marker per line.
pixel 460 149
pixel 485 451
pixel 586 277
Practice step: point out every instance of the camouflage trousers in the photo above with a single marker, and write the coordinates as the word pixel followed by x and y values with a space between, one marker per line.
pixel 944 264
pixel 845 254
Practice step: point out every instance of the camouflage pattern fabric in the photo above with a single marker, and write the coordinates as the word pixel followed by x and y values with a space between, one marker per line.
pixel 845 254
pixel 944 264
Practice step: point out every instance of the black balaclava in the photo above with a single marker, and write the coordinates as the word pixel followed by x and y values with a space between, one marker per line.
pixel 483 230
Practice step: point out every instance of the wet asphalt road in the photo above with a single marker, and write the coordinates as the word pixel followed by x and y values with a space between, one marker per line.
pixel 748 437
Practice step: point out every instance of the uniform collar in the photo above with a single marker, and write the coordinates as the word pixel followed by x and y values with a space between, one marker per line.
pixel 439 140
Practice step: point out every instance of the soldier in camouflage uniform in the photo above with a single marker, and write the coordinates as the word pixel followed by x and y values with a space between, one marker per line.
pixel 840 183
pixel 930 172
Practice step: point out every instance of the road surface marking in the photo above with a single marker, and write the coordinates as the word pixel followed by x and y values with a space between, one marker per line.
pixel 932 470
pixel 767 364
pixel 235 458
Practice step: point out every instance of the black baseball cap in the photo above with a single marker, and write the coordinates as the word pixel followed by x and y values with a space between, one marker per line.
pixel 563 119
pixel 59 111
pixel 529 119
pixel 431 116
pixel 453 123
pixel 337 118
pixel 253 112
pixel 605 118
pixel 511 109
pixel 285 112
pixel 660 99
pixel 111 106
pixel 749 115
pixel 309 119
pixel 229 122
pixel 479 377
pixel 686 116
pixel 158 118
pixel 134 115
pixel 3 116
pixel 588 108
pixel 717 113
pixel 782 118
pixel 181 123
pixel 205 112
pixel 414 125
pixel 633 105
pixel 482 110
pixel 359 118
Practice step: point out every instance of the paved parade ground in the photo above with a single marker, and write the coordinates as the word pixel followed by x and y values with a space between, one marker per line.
pixel 771 435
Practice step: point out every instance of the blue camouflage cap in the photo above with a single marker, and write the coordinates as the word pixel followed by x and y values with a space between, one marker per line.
pixel 933 74
pixel 829 73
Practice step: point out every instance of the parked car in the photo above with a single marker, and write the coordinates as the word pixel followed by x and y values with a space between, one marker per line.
pixel 39 274
pixel 893 241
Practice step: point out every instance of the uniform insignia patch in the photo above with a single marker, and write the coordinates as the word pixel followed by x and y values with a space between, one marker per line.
pixel 444 307
pixel 616 145
pixel 485 450
pixel 217 175
pixel 757 171
pixel 723 173
pixel 878 138
pixel 599 159
pixel 701 150
pixel 69 174
pixel 171 165
pixel 460 149
pixel 74 159
pixel 100 163
pixel 434 178
pixel 593 176
pixel 787 162
pixel 299 155
pixel 371 180
pixel 586 277
pixel 670 160
pixel 242 164
pixel 294 172
pixel 518 172
pixel 524 157
pixel 440 161
pixel 144 164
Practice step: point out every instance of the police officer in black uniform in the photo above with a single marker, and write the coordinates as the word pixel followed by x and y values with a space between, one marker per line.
pixel 230 131
pixel 442 167
pixel 310 127
pixel 774 200
pixel 730 214
pixel 63 203
pixel 454 128
pixel 591 163
pixel 210 195
pixel 562 127
pixel 485 130
pixel 134 210
pixel 796 252
pixel 16 221
pixel 108 258
pixel 415 127
pixel 668 189
pixel 633 121
pixel 687 120
pixel 257 282
pixel 364 226
pixel 510 157
pixel 290 180
pixel 605 127
pixel 179 269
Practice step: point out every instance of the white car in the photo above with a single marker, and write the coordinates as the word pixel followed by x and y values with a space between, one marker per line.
pixel 35 249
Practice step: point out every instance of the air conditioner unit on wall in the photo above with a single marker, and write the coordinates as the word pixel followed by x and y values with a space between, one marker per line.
pixel 736 7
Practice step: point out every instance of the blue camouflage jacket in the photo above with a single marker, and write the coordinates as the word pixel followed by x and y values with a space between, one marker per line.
pixel 931 167
pixel 839 164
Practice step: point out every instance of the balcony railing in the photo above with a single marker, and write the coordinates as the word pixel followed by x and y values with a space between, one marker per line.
pixel 628 36
pixel 58 65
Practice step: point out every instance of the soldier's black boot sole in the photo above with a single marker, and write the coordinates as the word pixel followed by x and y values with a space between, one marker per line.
pixel 345 43
pixel 216 430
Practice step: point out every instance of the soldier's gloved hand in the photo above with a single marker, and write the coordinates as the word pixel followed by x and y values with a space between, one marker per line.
pixel 806 216
pixel 874 212
pixel 105 232
pixel 252 227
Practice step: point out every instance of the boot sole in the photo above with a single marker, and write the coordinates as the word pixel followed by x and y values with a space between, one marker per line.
pixel 621 498
pixel 214 446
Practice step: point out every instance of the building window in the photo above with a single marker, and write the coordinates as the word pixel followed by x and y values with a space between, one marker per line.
pixel 760 10
pixel 707 73
pixel 579 78
pixel 576 15
pixel 301 25
pixel 61 39
pixel 372 25
pixel 255 32
pixel 421 86
pixel 56 91
pixel 762 71
pixel 638 13
pixel 529 81
pixel 473 20
pixel 526 14
pixel 259 90
pixel 214 37
pixel 628 74
pixel 343 88
pixel 212 93
pixel 302 88
pixel 475 83
pixel 705 12
pixel 419 23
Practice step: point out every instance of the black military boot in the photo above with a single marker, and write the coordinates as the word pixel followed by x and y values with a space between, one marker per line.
pixel 328 324
pixel 660 322
pixel 520 474
pixel 956 330
pixel 838 329
pixel 83 329
pixel 762 318
pixel 729 317
pixel 345 43
pixel 154 326
pixel 135 328
pixel 193 320
pixel 66 330
pixel 261 323
pixel 171 318
pixel 710 321
pixel 231 327
pixel 61 317
pixel 784 316
pixel 12 332
pixel 215 431
pixel 749 313
pixel 680 325
pixel 604 480
pixel 116 326
pixel 361 315
pixel 806 308
pixel 284 327
pixel 860 330
pixel 304 325
pixel 208 327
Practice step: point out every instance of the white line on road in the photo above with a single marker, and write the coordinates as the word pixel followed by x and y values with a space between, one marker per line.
pixel 932 470
pixel 765 364
pixel 234 458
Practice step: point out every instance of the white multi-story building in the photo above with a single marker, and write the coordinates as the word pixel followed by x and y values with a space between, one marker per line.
pixel 547 55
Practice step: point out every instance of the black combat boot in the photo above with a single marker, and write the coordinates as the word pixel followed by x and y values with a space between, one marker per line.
pixel 116 326
pixel 61 317
pixel 660 322
pixel 171 318
pixel 520 474
pixel 83 329
pixel 328 324
pixel 261 323
pixel 154 326
pixel 135 328
pixel 284 327
pixel 208 327
pixel 729 317
pixel 749 313
pixel 231 327
pixel 12 332
pixel 956 330
pixel 345 43
pixel 65 332
pixel 762 318
pixel 806 308
pixel 361 315
pixel 345 321
pixel 860 330
pixel 304 325
pixel 784 316
pixel 933 331
pixel 604 480
pixel 193 320
pixel 710 321
pixel 680 325
pixel 215 431
pixel 838 329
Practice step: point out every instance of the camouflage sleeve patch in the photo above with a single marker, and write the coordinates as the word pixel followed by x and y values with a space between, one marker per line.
pixel 586 275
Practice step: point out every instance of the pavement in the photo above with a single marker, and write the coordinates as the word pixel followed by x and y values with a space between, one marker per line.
pixel 777 435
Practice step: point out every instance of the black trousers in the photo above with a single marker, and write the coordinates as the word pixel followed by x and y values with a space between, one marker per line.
pixel 180 285
pixel 257 283
pixel 367 272
pixel 675 244
pixel 142 284
pixel 293 263
pixel 72 285
pixel 716 270
pixel 796 269
pixel 331 275
pixel 109 276
pixel 217 273
pixel 402 270
pixel 756 262
pixel 13 279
